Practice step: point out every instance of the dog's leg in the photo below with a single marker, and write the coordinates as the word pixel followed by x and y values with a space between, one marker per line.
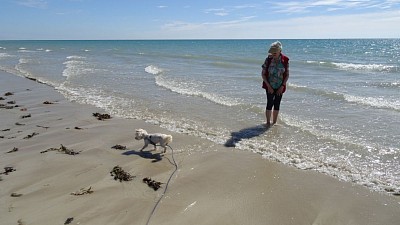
pixel 145 145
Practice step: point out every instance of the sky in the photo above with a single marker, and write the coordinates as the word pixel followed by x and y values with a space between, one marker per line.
pixel 198 19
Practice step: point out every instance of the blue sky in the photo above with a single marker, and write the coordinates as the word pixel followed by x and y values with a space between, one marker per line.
pixel 200 19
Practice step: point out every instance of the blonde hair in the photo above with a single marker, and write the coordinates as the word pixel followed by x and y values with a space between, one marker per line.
pixel 277 44
pixel 275 47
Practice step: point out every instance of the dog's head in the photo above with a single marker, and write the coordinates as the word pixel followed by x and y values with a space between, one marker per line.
pixel 140 134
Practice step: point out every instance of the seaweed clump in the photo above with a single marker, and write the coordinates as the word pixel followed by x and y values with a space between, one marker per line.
pixel 152 183
pixel 62 149
pixel 100 116
pixel 119 174
pixel 119 147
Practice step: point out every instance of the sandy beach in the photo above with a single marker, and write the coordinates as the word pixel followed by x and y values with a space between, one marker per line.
pixel 204 183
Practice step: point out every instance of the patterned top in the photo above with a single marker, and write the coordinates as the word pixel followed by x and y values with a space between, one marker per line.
pixel 276 70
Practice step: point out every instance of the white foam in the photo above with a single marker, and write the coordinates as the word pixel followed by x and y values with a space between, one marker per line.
pixel 378 102
pixel 24 61
pixel 75 57
pixel 76 65
pixel 153 70
pixel 188 88
pixel 192 89
pixel 364 67
pixel 357 67
pixel 4 55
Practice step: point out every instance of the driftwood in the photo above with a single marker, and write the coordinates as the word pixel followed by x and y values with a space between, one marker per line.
pixel 83 191
pixel 13 150
pixel 15 194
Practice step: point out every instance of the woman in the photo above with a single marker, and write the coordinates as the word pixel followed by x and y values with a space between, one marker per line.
pixel 275 73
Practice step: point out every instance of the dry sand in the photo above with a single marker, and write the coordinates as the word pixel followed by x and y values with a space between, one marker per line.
pixel 212 184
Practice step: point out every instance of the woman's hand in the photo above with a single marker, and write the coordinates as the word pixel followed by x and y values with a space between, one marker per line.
pixel 280 90
pixel 270 89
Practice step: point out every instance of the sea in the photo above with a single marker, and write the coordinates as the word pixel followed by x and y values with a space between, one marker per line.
pixel 339 116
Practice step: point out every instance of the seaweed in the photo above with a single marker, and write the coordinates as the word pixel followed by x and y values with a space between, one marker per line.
pixel 7 170
pixel 31 135
pixel 62 149
pixel 119 147
pixel 100 116
pixel 152 183
pixel 119 174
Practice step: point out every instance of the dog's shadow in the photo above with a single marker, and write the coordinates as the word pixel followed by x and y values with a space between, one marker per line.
pixel 245 133
pixel 156 157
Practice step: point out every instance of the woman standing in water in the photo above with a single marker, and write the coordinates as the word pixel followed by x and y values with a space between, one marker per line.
pixel 275 73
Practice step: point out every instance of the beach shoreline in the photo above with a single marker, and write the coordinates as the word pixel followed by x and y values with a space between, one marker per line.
pixel 213 184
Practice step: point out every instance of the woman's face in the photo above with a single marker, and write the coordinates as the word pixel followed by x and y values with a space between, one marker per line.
pixel 276 54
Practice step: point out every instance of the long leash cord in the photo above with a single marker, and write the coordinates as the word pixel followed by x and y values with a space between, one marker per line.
pixel 166 187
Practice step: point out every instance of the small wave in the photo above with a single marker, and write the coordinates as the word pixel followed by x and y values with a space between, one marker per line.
pixel 227 65
pixel 24 61
pixel 378 102
pixel 365 67
pixel 395 84
pixel 319 92
pixel 26 51
pixel 153 70
pixel 357 67
pixel 192 89
pixel 76 57
pixel 76 65
pixel 4 55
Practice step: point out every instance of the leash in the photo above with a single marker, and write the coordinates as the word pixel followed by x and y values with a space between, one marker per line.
pixel 166 186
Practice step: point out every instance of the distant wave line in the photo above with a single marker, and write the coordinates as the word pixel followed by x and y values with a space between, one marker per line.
pixel 357 67
pixel 377 102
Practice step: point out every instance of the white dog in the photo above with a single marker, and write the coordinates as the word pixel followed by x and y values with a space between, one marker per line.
pixel 163 139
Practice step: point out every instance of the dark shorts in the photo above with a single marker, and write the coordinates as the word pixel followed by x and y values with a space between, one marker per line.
pixel 273 101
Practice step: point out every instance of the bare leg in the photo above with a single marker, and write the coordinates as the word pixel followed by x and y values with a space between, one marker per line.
pixel 268 117
pixel 275 116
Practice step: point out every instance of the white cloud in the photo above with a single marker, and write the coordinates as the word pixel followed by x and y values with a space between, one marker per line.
pixel 371 25
pixel 41 4
pixel 217 12
pixel 332 5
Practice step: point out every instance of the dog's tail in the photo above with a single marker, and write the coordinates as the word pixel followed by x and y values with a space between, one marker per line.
pixel 168 139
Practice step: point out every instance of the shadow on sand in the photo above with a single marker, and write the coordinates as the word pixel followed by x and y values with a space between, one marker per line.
pixel 145 154
pixel 245 133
